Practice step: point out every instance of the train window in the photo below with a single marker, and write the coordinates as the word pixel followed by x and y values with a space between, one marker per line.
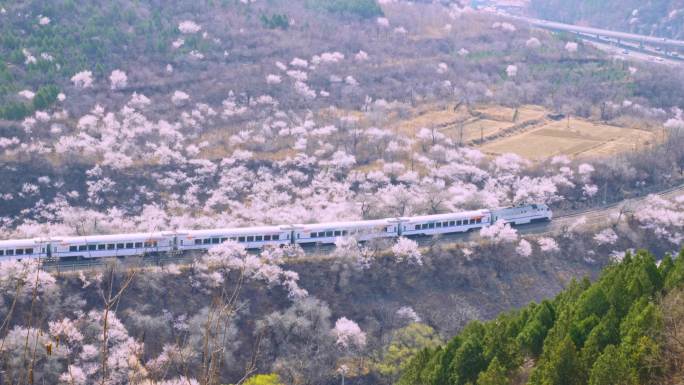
pixel 82 247
pixel 120 246
pixel 259 238
pixel 101 247
pixel 206 241
pixel 431 226
pixel 452 223
pixel 345 232
pixel 479 220
pixel 241 239
pixel 29 251
pixel 438 224
pixel 20 252
pixel 111 246
pixel 328 233
pixel 215 240
pixel 250 238
pixel 233 239
pixel 138 245
pixel 9 252
pixel 338 233
pixel 73 248
pixel 223 239
pixel 129 245
pixel 92 247
pixel 147 244
pixel 198 241
pixel 267 237
pixel 2 252
pixel 313 235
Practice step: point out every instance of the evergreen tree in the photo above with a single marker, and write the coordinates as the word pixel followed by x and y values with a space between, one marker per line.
pixel 494 375
pixel 612 368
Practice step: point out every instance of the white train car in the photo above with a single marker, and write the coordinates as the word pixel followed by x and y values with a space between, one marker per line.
pixel 19 249
pixel 115 245
pixel 327 233
pixel 249 237
pixel 524 214
pixel 445 223
pixel 122 245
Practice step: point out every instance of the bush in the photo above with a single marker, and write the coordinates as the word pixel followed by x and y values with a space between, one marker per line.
pixel 45 97
pixel 15 111
pixel 275 21
pixel 364 9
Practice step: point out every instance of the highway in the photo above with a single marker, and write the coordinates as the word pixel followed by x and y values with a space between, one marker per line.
pixel 552 25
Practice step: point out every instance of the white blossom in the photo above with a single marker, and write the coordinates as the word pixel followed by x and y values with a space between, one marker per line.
pixel 349 334
pixel 548 244
pixel 499 232
pixel 407 250
pixel 118 79
pixel 606 237
pixel 524 248
pixel 83 79
pixel 189 27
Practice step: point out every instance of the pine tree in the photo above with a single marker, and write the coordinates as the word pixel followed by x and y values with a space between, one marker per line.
pixel 494 375
pixel 612 368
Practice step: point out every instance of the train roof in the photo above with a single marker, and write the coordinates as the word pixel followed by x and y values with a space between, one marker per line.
pixel 11 243
pixel 344 225
pixel 436 217
pixel 234 231
pixel 109 237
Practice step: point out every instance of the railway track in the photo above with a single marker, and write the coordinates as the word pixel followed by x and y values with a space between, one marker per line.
pixel 601 215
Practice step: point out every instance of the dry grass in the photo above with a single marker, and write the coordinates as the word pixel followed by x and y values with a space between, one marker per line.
pixel 574 138
pixel 432 116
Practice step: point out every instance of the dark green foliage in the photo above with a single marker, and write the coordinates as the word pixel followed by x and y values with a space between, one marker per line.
pixel 275 21
pixel 562 367
pixel 612 368
pixel 15 111
pixel 82 34
pixel 45 97
pixel 494 375
pixel 364 9
pixel 601 333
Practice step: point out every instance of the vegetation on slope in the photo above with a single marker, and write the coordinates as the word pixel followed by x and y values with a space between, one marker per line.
pixel 609 332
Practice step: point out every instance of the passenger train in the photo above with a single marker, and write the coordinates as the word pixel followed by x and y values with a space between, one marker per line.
pixel 163 242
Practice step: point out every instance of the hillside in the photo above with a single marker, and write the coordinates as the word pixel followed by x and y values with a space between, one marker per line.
pixel 621 329
pixel 157 114
pixel 662 18
pixel 161 116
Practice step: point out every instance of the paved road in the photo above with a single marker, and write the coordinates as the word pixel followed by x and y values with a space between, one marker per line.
pixel 656 41
pixel 624 51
